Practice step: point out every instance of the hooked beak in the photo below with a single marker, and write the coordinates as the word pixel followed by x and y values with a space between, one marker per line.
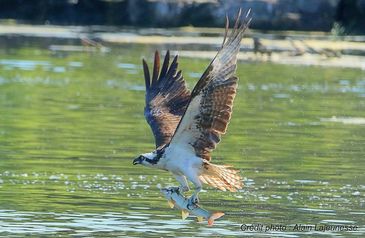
pixel 138 160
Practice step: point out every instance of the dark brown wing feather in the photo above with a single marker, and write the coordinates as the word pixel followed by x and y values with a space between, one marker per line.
pixel 167 98
pixel 215 112
pixel 210 107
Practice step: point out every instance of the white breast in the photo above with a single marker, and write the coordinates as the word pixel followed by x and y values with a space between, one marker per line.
pixel 180 160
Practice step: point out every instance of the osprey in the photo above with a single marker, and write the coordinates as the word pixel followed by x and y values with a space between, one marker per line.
pixel 187 125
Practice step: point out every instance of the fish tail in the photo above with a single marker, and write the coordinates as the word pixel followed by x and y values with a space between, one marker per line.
pixel 222 177
pixel 213 217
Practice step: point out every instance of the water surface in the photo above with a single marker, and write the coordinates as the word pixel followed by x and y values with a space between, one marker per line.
pixel 72 122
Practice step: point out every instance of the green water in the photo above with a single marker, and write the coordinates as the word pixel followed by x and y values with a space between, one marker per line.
pixel 71 124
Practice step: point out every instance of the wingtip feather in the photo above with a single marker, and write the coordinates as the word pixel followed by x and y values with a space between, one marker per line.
pixel 248 13
pixel 156 67
pixel 238 18
pixel 226 31
pixel 146 74
pixel 165 65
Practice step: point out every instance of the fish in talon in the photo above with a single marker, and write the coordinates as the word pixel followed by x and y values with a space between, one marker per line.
pixel 180 202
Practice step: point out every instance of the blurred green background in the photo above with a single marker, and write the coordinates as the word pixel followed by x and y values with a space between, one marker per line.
pixel 71 117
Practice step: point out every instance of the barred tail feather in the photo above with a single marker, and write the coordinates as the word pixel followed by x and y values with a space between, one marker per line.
pixel 222 177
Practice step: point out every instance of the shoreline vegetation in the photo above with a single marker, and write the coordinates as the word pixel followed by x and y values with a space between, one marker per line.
pixel 293 48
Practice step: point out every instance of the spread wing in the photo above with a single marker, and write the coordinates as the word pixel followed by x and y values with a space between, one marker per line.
pixel 166 98
pixel 210 107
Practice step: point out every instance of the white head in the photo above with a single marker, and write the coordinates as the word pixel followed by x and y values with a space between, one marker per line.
pixel 149 159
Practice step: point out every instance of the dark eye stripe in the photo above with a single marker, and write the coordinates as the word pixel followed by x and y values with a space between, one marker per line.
pixel 152 161
pixel 158 156
pixel 159 153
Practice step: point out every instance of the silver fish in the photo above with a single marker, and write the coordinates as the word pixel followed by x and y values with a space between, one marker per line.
pixel 177 200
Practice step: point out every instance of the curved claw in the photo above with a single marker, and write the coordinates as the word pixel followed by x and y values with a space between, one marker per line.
pixel 173 189
pixel 194 199
pixel 193 202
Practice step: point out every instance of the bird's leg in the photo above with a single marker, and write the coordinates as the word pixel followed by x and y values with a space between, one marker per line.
pixel 184 187
pixel 194 199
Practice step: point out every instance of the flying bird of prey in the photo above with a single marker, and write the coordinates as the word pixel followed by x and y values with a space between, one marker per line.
pixel 187 126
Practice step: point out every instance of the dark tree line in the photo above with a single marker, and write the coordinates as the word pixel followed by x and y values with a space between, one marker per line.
pixel 350 14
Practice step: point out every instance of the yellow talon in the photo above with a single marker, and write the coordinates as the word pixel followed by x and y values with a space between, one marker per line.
pixel 184 214
pixel 199 219
pixel 171 204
